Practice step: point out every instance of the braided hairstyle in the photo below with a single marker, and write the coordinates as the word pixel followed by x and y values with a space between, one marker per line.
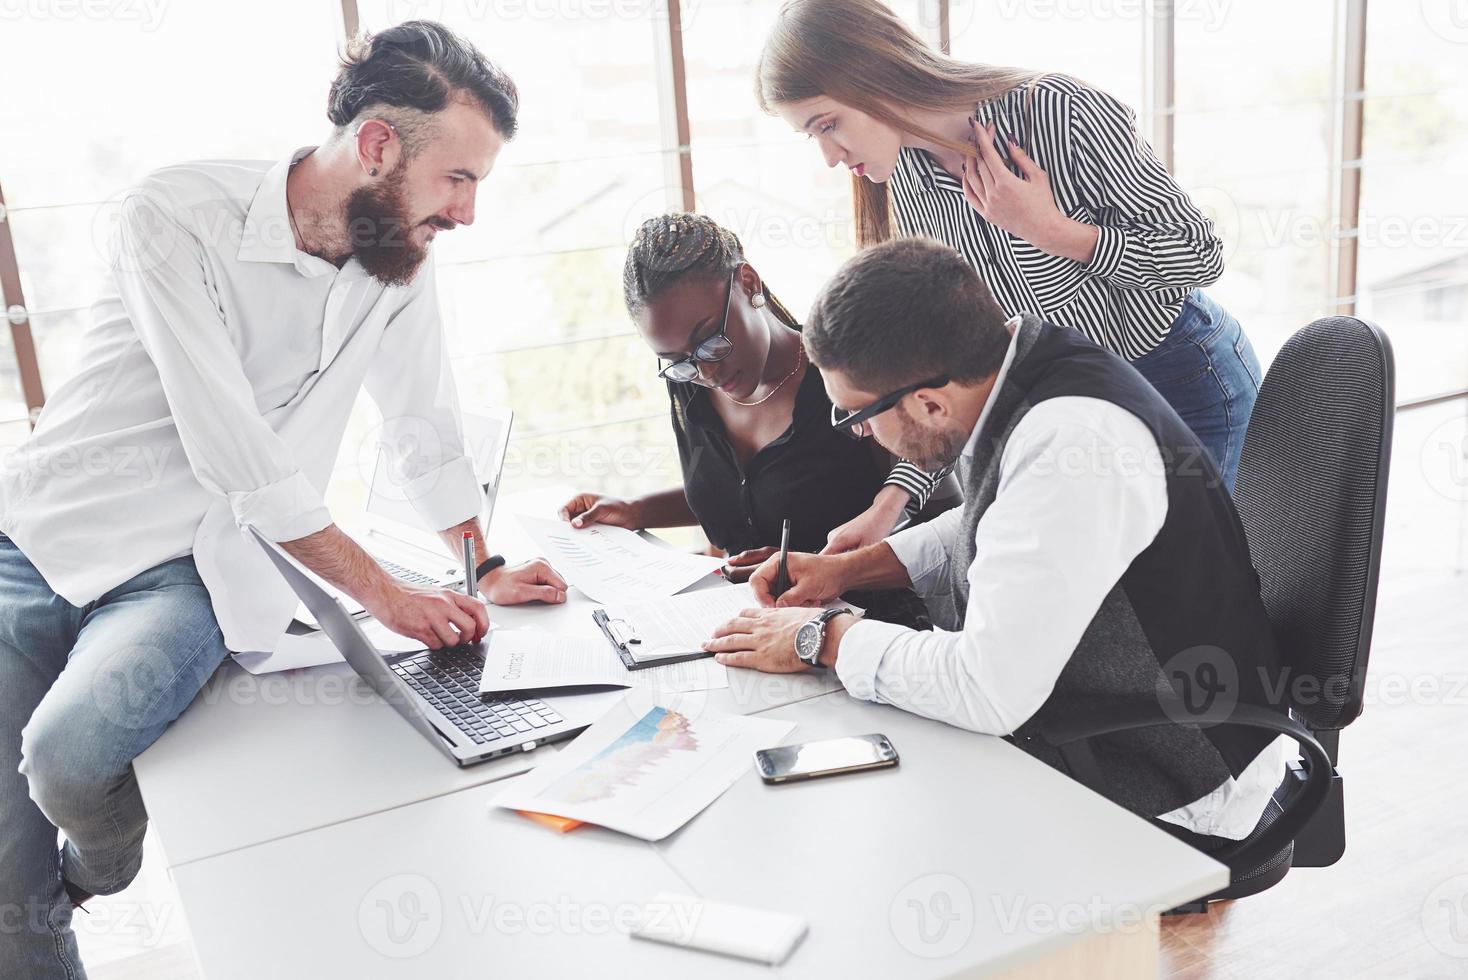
pixel 671 247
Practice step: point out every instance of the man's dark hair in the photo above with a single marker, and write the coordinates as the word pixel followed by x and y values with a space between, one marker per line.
pixel 408 73
pixel 905 311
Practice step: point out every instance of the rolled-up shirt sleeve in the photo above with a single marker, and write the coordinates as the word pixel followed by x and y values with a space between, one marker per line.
pixel 925 549
pixel 1081 494
pixel 162 278
pixel 422 430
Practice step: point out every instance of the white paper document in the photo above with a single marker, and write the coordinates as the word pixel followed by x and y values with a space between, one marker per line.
pixel 681 623
pixel 524 660
pixel 646 767
pixel 612 564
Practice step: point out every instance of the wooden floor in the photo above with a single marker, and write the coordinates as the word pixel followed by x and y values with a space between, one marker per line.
pixel 1375 914
pixel 1391 907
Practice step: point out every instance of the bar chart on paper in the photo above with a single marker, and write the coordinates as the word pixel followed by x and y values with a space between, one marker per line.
pixel 631 759
pixel 647 766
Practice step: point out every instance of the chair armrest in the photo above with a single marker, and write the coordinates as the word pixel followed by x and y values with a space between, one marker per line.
pixel 1245 855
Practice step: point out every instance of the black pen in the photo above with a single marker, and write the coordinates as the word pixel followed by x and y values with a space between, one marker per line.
pixel 782 581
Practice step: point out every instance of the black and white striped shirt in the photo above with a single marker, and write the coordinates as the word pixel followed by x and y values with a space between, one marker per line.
pixel 1155 246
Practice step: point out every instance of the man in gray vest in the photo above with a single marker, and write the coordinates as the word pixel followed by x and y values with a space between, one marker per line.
pixel 1097 556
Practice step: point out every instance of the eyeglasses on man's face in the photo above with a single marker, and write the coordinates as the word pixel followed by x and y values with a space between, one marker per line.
pixel 715 348
pixel 854 424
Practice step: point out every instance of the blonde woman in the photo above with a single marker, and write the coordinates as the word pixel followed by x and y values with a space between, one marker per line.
pixel 1041 182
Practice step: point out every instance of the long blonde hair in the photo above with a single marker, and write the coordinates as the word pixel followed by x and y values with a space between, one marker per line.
pixel 864 56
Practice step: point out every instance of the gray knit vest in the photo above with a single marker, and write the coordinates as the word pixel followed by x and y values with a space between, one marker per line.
pixel 1192 589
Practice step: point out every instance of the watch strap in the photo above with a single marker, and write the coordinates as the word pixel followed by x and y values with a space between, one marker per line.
pixel 488 565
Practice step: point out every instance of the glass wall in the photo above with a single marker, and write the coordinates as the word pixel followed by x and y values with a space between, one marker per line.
pixel 532 292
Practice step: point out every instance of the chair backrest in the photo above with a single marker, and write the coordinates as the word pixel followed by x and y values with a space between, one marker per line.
pixel 1311 493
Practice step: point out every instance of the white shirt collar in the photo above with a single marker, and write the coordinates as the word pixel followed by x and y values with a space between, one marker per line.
pixel 267 235
pixel 1013 324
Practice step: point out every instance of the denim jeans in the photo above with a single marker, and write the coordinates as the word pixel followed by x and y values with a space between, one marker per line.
pixel 1207 371
pixel 83 691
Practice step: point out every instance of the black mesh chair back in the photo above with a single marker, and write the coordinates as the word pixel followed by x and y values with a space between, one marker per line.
pixel 1311 494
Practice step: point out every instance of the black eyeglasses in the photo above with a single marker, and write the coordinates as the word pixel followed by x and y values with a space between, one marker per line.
pixel 716 348
pixel 850 423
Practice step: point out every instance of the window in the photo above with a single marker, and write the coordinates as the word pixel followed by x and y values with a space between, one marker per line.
pixel 1100 44
pixel 1412 275
pixel 102 101
pixel 532 292
pixel 1253 131
pixel 754 175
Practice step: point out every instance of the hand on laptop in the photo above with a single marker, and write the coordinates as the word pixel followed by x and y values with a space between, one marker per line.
pixel 534 581
pixel 436 618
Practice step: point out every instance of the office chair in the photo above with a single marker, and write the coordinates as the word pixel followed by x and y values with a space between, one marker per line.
pixel 1311 495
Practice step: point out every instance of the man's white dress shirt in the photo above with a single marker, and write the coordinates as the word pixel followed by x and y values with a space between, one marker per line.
pixel 214 388
pixel 1081 493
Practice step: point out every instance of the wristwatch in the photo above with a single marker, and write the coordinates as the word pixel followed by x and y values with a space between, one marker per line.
pixel 812 636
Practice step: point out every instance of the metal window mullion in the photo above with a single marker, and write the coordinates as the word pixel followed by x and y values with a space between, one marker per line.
pixel 1348 88
pixel 20 325
pixel 1159 61
pixel 351 19
pixel 672 80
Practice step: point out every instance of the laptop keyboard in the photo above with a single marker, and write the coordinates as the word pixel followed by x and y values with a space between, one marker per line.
pixel 406 574
pixel 449 680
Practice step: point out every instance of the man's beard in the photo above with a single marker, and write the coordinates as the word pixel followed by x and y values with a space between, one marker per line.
pixel 928 449
pixel 380 231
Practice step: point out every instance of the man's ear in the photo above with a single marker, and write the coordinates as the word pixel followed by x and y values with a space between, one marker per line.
pixel 378 147
pixel 930 403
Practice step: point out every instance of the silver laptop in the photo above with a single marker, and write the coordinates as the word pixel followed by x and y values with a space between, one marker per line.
pixel 437 691
pixel 394 535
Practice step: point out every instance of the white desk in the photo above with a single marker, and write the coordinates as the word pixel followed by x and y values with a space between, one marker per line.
pixel 290 805
pixel 1024 864
pixel 257 758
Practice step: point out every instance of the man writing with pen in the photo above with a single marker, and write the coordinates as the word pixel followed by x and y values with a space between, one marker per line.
pixel 1095 542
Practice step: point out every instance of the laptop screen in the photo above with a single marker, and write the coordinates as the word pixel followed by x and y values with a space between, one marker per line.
pixel 486 438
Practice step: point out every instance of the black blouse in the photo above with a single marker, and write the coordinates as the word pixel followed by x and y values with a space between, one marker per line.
pixel 810 473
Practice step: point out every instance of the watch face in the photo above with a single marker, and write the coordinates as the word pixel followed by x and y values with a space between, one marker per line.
pixel 808 642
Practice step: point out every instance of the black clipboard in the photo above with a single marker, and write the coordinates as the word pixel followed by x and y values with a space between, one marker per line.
pixel 619 634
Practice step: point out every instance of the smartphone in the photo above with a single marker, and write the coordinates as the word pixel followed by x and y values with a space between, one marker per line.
pixel 828 757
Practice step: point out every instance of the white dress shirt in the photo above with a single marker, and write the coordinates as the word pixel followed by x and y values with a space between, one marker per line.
pixel 1081 493
pixel 215 385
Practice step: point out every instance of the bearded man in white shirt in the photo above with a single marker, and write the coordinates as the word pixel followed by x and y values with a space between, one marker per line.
pixel 249 304
pixel 1096 558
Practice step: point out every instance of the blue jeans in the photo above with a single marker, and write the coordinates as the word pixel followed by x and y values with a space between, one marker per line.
pixel 1207 371
pixel 83 691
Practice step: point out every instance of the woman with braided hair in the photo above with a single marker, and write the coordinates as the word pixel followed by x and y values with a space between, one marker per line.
pixel 751 417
